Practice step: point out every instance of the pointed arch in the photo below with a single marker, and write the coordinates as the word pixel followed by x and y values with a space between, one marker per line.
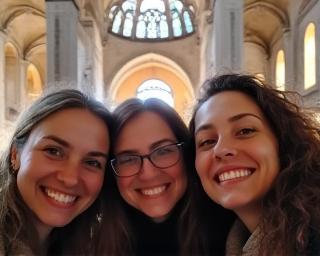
pixel 34 84
pixel 153 66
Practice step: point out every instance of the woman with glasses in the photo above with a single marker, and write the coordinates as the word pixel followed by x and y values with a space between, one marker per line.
pixel 155 180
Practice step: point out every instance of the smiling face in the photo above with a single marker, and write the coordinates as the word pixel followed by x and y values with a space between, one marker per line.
pixel 62 167
pixel 236 151
pixel 153 191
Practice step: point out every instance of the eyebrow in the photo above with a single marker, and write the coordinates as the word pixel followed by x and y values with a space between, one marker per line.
pixel 160 142
pixel 57 140
pixel 230 119
pixel 151 147
pixel 66 144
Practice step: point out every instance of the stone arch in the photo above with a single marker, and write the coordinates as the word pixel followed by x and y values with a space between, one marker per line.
pixel 34 85
pixel 153 66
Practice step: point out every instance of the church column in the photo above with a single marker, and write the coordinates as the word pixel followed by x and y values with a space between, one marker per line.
pixel 228 36
pixel 289 58
pixel 2 77
pixel 23 84
pixel 62 45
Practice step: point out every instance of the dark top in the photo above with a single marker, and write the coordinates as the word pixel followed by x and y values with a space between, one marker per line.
pixel 161 239
pixel 151 238
pixel 314 245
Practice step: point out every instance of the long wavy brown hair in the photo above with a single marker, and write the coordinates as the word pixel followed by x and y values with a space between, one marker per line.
pixel 83 234
pixel 195 237
pixel 291 208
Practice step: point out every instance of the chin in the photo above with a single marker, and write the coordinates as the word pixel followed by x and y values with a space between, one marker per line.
pixel 158 217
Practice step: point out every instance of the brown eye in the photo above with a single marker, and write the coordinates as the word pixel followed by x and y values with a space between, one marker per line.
pixel 94 163
pixel 54 152
pixel 207 143
pixel 246 131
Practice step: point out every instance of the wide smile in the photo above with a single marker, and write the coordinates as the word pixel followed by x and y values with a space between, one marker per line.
pixel 235 174
pixel 154 191
pixel 59 197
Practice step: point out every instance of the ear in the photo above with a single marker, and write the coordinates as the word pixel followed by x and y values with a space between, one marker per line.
pixel 15 158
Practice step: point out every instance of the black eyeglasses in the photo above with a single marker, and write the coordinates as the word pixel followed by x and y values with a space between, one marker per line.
pixel 126 165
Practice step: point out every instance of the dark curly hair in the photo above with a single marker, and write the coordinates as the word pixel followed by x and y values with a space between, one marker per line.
pixel 291 209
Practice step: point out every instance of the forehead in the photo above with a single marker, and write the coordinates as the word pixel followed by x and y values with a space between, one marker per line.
pixel 144 129
pixel 224 105
pixel 73 124
pixel 71 117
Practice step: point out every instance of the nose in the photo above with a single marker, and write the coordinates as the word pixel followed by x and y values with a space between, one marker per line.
pixel 148 170
pixel 69 174
pixel 224 148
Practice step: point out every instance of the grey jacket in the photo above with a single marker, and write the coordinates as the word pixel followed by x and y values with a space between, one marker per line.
pixel 241 242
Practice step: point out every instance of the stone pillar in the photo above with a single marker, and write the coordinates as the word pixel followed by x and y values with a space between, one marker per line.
pixel 289 59
pixel 23 85
pixel 2 78
pixel 228 36
pixel 62 42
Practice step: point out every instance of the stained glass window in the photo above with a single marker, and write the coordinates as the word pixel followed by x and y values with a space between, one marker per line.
pixel 151 19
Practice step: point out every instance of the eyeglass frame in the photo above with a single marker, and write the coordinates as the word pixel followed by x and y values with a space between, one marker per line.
pixel 142 157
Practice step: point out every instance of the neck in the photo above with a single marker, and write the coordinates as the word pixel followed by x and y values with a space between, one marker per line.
pixel 250 216
pixel 43 232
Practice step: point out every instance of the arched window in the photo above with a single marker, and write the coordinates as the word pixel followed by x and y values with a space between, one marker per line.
pixel 280 71
pixel 310 56
pixel 154 88
pixel 151 19
pixel 34 85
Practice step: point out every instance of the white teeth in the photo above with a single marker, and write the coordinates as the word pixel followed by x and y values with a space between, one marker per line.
pixel 59 197
pixel 234 174
pixel 153 191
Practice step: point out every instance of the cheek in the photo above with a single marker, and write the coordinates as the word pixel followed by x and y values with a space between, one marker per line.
pixel 94 183
pixel 202 163
pixel 181 178
pixel 269 155
pixel 124 186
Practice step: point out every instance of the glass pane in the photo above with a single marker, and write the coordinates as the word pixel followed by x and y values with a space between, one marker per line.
pixel 164 31
pixel 176 25
pixel 117 23
pixel 309 57
pixel 152 19
pixel 280 71
pixel 129 5
pixel 177 5
pixel 154 88
pixel 152 4
pixel 141 29
pixel 187 21
pixel 127 26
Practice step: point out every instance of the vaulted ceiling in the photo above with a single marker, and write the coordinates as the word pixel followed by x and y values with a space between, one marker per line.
pixel 24 20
